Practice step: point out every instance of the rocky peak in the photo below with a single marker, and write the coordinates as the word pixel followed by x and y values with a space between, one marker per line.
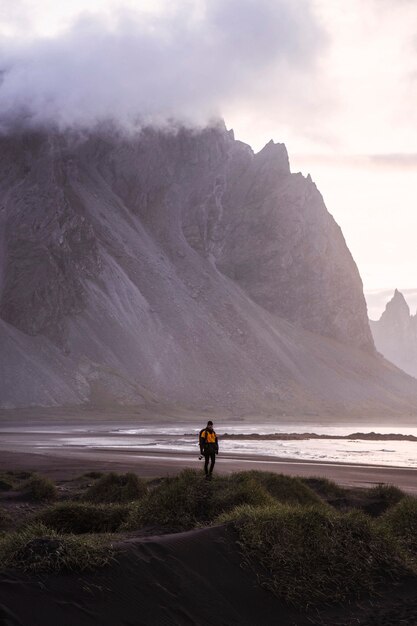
pixel 274 157
pixel 397 310
pixel 395 334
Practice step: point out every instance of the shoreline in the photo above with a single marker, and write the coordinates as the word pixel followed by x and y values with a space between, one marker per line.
pixel 54 446
pixel 65 464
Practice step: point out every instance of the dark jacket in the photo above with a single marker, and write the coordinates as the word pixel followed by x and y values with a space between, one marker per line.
pixel 208 441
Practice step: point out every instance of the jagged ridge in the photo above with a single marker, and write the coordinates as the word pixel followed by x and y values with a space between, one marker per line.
pixel 178 267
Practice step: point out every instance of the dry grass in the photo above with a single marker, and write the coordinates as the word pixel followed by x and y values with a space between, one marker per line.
pixel 82 517
pixel 40 549
pixel 39 489
pixel 116 488
pixel 310 555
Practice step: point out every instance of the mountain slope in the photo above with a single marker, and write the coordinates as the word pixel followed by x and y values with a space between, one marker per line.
pixel 180 268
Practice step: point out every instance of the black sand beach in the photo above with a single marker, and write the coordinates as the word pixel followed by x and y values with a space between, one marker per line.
pixel 187 578
pixel 193 578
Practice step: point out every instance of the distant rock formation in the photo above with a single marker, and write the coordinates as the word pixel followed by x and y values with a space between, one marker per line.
pixel 395 334
pixel 178 268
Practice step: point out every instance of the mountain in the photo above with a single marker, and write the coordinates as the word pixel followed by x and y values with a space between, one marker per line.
pixel 395 334
pixel 178 268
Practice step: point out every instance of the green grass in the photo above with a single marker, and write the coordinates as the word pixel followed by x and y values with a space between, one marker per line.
pixel 231 491
pixel 401 523
pixel 117 488
pixel 178 503
pixel 12 479
pixel 93 475
pixel 39 489
pixel 386 496
pixel 6 483
pixel 373 502
pixel 324 488
pixel 40 549
pixel 81 517
pixel 4 518
pixel 308 555
pixel 188 500
pixel 285 489
pixel 19 474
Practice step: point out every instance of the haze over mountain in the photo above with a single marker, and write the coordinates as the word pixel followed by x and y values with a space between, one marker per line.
pixel 178 267
pixel 395 334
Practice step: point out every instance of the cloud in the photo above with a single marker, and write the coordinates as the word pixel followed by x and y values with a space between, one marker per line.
pixel 190 64
pixel 406 160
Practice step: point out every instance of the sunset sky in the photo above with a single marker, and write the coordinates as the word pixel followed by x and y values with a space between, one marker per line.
pixel 335 80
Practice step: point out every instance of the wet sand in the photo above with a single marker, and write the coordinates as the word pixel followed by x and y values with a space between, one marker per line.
pixel 68 462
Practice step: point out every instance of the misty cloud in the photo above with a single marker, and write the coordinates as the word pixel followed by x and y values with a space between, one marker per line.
pixel 406 160
pixel 188 64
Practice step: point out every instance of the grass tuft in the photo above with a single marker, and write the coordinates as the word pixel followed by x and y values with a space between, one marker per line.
pixel 39 489
pixel 4 518
pixel 81 517
pixel 284 489
pixel 114 487
pixel 309 555
pixel 324 488
pixel 6 483
pixel 178 503
pixel 93 475
pixel 237 489
pixel 19 474
pixel 187 500
pixel 40 549
pixel 386 496
pixel 401 523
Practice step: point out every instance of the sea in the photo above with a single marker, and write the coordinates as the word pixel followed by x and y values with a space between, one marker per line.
pixel 182 438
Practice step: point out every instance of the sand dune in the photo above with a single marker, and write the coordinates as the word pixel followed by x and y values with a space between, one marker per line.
pixel 187 579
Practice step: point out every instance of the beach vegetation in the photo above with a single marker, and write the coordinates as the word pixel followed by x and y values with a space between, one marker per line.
pixel 187 500
pixel 236 489
pixel 39 488
pixel 324 488
pixel 6 483
pixel 282 488
pixel 386 496
pixel 400 521
pixel 4 518
pixel 374 501
pixel 19 474
pixel 309 555
pixel 117 488
pixel 83 517
pixel 93 475
pixel 38 548
pixel 178 503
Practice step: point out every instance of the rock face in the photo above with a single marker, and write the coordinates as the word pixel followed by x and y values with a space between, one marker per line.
pixel 395 334
pixel 179 268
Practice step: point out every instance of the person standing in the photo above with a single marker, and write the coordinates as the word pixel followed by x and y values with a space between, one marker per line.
pixel 209 447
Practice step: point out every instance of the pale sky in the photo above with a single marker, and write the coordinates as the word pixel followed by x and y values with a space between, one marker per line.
pixel 336 80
